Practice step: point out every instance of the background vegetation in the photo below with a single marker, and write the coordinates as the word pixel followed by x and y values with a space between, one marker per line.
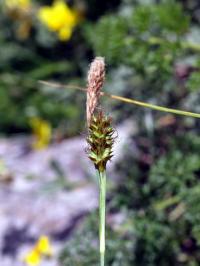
pixel 152 51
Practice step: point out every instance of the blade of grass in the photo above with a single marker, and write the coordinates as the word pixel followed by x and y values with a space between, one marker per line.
pixel 128 100
pixel 154 107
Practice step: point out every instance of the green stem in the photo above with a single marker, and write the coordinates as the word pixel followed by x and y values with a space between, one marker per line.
pixel 128 100
pixel 102 214
pixel 153 106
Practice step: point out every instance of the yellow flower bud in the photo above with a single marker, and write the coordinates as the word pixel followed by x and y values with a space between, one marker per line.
pixel 33 258
pixel 43 246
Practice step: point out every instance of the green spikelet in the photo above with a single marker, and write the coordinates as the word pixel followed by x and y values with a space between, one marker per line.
pixel 100 140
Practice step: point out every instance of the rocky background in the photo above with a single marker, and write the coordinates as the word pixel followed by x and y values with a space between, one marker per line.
pixel 48 185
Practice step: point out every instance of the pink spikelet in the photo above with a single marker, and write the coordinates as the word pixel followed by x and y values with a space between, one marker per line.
pixel 96 78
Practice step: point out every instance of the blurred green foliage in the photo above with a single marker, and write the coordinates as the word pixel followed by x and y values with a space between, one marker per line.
pixel 29 53
pixel 153 42
pixel 145 45
pixel 152 53
pixel 25 61
pixel 84 250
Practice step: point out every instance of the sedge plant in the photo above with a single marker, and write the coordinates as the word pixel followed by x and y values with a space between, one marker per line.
pixel 100 141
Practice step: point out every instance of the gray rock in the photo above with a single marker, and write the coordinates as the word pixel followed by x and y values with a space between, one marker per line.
pixel 51 192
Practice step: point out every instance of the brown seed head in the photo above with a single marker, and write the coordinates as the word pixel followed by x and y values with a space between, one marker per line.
pixel 96 77
pixel 100 140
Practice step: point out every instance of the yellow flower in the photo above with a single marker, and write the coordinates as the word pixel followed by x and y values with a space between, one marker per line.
pixel 23 29
pixel 42 132
pixel 59 18
pixel 33 258
pixel 20 11
pixel 65 33
pixel 19 4
pixel 43 246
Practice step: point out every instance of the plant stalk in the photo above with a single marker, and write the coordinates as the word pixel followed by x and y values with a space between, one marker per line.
pixel 153 106
pixel 128 100
pixel 102 215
